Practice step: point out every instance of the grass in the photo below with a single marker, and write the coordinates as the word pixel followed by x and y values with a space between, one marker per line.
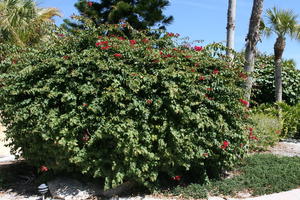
pixel 259 173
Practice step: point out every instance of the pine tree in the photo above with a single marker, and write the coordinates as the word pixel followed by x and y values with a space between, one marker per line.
pixel 140 14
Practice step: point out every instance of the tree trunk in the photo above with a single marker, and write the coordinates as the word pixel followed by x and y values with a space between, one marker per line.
pixel 278 51
pixel 230 26
pixel 251 40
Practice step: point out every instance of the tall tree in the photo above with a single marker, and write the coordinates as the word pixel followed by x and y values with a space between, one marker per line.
pixel 23 23
pixel 140 14
pixel 230 26
pixel 281 22
pixel 251 41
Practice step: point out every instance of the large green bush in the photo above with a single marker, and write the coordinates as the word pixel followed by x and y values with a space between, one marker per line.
pixel 125 109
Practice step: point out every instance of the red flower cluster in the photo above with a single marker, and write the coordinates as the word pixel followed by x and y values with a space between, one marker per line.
pixel 85 137
pixel 246 103
pixel 102 43
pixel 43 168
pixel 225 145
pixel 176 178
pixel 105 48
pixel 132 42
pixel 90 4
pixel 201 78
pixel 60 35
pixel 243 76
pixel 145 40
pixel 216 71
pixel 208 97
pixel 149 101
pixel 121 38
pixel 118 55
pixel 173 34
pixel 198 48
pixel 205 154
pixel 209 89
pixel 251 136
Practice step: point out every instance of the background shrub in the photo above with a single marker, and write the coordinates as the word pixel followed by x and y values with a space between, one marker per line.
pixel 264 88
pixel 125 108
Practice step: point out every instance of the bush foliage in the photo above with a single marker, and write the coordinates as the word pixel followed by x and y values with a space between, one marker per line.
pixel 125 108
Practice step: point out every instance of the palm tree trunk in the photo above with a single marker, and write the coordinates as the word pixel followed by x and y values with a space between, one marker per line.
pixel 278 51
pixel 252 38
pixel 230 26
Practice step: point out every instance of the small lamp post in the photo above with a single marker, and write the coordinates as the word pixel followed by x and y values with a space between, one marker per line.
pixel 43 189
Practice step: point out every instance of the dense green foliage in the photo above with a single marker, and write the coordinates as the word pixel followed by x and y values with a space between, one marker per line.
pixel 125 109
pixel 259 174
pixel 264 88
pixel 140 14
pixel 291 120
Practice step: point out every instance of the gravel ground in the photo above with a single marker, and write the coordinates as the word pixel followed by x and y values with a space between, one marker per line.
pixel 284 148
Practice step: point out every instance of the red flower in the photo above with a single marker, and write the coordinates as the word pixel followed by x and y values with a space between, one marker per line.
pixel 187 56
pixel 246 103
pixel 105 48
pixel 98 44
pixel 205 154
pixel 60 35
pixel 225 145
pixel 99 37
pixel 196 64
pixel 85 104
pixel 171 34
pixel 149 101
pixel 132 42
pixel 103 43
pixel 243 76
pixel 209 89
pixel 85 138
pixel 145 40
pixel 90 4
pixel 201 78
pixel 167 56
pixel 198 48
pixel 250 129
pixel 121 38
pixel 193 70
pixel 216 71
pixel 43 168
pixel 176 178
pixel 66 57
pixel 253 138
pixel 118 55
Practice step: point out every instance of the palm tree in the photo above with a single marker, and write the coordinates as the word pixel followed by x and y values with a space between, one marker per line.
pixel 230 26
pixel 251 40
pixel 23 23
pixel 282 23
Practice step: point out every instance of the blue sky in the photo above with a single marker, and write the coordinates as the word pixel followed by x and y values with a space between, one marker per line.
pixel 206 20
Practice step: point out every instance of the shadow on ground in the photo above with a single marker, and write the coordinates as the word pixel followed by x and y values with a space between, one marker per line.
pixel 18 177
